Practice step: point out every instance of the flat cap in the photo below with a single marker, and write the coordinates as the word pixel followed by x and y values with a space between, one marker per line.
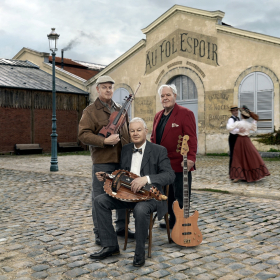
pixel 104 79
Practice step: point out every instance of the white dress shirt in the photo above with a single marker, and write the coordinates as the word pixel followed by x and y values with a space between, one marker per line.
pixel 243 124
pixel 229 124
pixel 136 162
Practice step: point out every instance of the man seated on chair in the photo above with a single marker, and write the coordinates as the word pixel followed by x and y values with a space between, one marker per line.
pixel 145 159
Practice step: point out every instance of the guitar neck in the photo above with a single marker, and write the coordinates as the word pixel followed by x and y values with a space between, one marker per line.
pixel 186 200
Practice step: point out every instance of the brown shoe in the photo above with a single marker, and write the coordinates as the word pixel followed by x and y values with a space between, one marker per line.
pixel 235 180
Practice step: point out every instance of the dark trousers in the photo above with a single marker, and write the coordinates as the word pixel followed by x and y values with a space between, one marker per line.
pixel 176 193
pixel 104 204
pixel 231 141
pixel 97 189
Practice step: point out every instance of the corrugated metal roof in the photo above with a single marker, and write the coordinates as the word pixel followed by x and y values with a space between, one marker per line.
pixel 91 65
pixel 15 62
pixel 17 75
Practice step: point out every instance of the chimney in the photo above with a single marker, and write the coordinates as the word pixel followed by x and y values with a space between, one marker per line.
pixel 62 64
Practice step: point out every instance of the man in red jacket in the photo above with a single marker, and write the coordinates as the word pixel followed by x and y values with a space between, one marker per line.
pixel 172 121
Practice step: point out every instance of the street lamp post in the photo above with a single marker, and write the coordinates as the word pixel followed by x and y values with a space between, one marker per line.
pixel 53 37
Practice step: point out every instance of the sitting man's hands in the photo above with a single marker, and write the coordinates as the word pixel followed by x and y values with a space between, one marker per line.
pixel 138 183
pixel 99 175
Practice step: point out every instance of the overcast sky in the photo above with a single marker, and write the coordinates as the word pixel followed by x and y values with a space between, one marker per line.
pixel 102 30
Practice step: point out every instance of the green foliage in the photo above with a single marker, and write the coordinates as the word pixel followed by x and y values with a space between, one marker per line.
pixel 218 155
pixel 77 153
pixel 273 150
pixel 272 159
pixel 269 138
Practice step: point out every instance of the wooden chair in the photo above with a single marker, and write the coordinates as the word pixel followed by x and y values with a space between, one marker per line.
pixel 153 217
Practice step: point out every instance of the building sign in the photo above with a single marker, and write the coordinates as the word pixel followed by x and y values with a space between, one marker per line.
pixel 183 43
pixel 145 108
pixel 217 106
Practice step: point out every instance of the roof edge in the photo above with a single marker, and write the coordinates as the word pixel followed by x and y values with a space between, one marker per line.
pixel 214 14
pixel 66 74
pixel 248 34
pixel 23 50
pixel 46 90
pixel 116 62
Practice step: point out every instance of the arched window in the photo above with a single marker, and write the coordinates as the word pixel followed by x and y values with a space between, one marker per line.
pixel 256 92
pixel 186 94
pixel 185 87
pixel 119 97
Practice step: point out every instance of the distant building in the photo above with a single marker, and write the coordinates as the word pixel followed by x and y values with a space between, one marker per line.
pixel 26 105
pixel 85 70
pixel 73 72
pixel 213 65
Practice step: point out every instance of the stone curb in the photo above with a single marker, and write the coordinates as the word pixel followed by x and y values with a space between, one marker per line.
pixel 269 154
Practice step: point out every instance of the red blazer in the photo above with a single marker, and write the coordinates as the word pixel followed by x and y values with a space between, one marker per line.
pixel 181 122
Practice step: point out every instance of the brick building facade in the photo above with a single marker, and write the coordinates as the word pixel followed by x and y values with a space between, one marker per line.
pixel 26 107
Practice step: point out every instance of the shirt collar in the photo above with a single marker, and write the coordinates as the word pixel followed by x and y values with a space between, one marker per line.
pixel 142 147
pixel 113 105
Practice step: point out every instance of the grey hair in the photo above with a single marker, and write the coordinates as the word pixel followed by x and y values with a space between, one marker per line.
pixel 172 87
pixel 139 120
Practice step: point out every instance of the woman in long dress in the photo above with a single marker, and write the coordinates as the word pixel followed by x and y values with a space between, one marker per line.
pixel 247 163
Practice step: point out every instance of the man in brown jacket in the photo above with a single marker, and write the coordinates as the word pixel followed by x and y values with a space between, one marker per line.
pixel 105 152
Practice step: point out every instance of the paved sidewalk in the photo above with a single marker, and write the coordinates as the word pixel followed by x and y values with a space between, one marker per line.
pixel 46 226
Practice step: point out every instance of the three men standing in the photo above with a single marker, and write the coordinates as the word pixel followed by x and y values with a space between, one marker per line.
pixel 150 161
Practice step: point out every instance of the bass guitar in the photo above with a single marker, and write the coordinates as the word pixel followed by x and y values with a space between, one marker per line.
pixel 185 231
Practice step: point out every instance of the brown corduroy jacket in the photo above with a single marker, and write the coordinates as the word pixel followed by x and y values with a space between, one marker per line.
pixel 94 117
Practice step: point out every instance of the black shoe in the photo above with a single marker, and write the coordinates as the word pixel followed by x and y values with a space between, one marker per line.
pixel 139 260
pixel 106 252
pixel 97 241
pixel 163 225
pixel 122 233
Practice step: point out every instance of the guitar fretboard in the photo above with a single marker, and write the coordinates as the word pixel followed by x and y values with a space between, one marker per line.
pixel 186 201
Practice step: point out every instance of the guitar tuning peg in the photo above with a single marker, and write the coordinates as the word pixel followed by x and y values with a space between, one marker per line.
pixel 178 146
pixel 179 141
pixel 180 136
pixel 178 151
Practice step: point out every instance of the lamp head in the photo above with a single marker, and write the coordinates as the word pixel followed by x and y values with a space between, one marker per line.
pixel 53 37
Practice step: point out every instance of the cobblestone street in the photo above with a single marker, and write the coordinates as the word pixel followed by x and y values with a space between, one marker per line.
pixel 46 226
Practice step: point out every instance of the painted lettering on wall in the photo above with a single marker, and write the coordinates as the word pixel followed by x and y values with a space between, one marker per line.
pixel 217 106
pixel 145 108
pixel 183 43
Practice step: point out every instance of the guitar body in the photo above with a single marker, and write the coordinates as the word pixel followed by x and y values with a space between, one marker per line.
pixel 185 231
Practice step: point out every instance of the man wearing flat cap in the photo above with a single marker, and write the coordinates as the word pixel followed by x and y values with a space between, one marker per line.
pixel 233 133
pixel 105 152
